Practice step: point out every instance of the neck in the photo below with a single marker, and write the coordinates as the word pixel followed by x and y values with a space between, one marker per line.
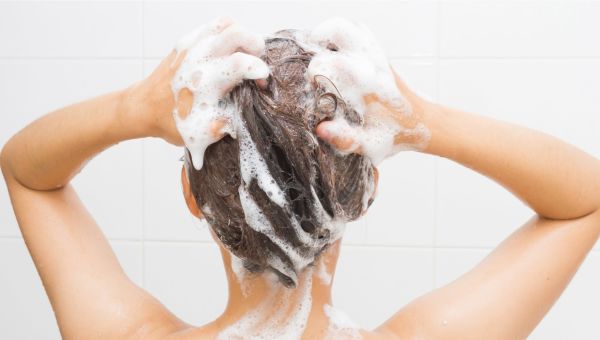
pixel 260 301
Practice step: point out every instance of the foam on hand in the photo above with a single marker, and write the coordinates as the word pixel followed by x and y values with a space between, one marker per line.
pixel 348 55
pixel 211 68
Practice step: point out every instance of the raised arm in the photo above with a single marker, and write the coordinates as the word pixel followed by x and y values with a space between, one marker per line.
pixel 508 293
pixel 557 180
pixel 89 292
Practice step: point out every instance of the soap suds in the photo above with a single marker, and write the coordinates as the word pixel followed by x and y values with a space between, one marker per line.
pixel 348 55
pixel 340 325
pixel 282 315
pixel 241 274
pixel 252 165
pixel 257 220
pixel 344 52
pixel 323 274
pixel 211 68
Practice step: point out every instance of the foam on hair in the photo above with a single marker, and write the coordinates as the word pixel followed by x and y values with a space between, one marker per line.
pixel 273 193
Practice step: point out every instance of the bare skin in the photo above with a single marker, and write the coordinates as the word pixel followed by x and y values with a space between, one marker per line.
pixel 503 297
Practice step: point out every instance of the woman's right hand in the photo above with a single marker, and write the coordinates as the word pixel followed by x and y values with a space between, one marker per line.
pixel 413 134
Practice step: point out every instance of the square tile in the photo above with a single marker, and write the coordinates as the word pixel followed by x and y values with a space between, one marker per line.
pixel 405 28
pixel 70 29
pixel 519 29
pixel 188 278
pixel 111 188
pixel 555 96
pixel 373 283
pixel 166 215
pixel 403 212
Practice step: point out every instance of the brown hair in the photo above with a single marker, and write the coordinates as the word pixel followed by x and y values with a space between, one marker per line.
pixel 281 121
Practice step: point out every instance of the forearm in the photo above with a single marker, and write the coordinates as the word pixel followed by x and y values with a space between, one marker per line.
pixel 46 154
pixel 554 178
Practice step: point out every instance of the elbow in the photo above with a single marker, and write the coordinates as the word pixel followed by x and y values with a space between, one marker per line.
pixel 5 163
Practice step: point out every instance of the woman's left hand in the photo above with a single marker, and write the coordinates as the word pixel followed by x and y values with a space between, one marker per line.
pixel 222 52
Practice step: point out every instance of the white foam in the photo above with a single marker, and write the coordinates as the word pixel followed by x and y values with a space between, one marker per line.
pixel 241 274
pixel 210 68
pixel 340 325
pixel 252 165
pixel 323 274
pixel 257 220
pixel 269 319
pixel 348 54
pixel 336 226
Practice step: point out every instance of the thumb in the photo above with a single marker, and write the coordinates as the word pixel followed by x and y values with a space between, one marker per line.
pixel 339 134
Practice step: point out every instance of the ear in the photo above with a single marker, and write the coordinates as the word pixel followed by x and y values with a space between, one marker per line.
pixel 187 194
pixel 376 180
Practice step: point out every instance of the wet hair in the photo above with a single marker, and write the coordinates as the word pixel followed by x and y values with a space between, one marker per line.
pixel 315 179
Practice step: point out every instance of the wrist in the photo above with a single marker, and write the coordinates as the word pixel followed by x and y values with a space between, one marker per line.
pixel 442 125
pixel 132 118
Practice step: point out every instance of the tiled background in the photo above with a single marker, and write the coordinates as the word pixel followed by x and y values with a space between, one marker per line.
pixel 532 62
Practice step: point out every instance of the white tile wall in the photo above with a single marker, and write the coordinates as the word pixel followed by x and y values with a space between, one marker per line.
pixel 188 277
pixel 372 282
pixel 535 63
pixel 412 33
pixel 519 29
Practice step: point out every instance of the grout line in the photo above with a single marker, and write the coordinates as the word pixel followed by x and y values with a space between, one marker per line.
pixel 11 237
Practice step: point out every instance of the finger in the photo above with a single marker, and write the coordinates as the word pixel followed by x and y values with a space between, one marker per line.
pixel 341 136
pixel 236 38
pixel 376 181
pixel 169 58
pixel 262 83
pixel 176 59
pixel 217 128
pixel 240 66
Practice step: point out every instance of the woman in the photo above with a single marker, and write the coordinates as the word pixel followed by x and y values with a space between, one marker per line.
pixel 503 297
